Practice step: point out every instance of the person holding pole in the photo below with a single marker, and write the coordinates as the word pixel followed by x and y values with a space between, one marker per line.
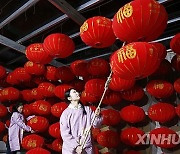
pixel 75 120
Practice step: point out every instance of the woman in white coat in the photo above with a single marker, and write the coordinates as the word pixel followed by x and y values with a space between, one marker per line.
pixel 16 128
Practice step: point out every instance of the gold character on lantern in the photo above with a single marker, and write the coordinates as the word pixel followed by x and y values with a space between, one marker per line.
pixel 84 27
pixel 158 86
pixel 31 143
pixel 130 53
pixel 43 107
pixel 33 120
pixel 124 12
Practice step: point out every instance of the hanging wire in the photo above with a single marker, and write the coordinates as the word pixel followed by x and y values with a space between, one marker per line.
pixel 34 9
pixel 5 6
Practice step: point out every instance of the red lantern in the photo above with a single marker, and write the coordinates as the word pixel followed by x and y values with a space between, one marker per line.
pixel 11 79
pixel 36 54
pixel 57 145
pixel 97 32
pixel 79 68
pixel 119 84
pixel 178 110
pixel 51 73
pixel 2 72
pixel 160 88
pixel 132 114
pixel 61 89
pixel 95 86
pixel 58 45
pixel 140 20
pixel 177 85
pixel 36 94
pixel 175 43
pixel 46 89
pixel 98 66
pixel 27 95
pixel 129 136
pixel 135 61
pixel 54 130
pixel 112 98
pixel 33 68
pixel 21 75
pixel 32 141
pixel 27 110
pixel 108 139
pixel 89 98
pixel 38 123
pixel 110 117
pixel 161 112
pixel 95 132
pixel 41 107
pixel 2 127
pixel 58 108
pixel 64 73
pixel 134 94
pixel 38 79
pixel 159 137
pixel 175 61
pixel 38 150
pixel 10 93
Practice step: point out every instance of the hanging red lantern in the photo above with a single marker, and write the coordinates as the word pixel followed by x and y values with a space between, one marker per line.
pixel 98 66
pixel 64 74
pixel 39 79
pixel 95 132
pixel 161 112
pixel 137 21
pixel 160 88
pixel 51 73
pixel 38 150
pixel 175 43
pixel 21 75
pixel 162 134
pixel 36 54
pixel 61 89
pixel 112 98
pixel 108 139
pixel 41 107
pixel 177 85
pixel 33 68
pixel 135 61
pixel 27 95
pixel 132 114
pixel 78 84
pixel 130 136
pixel 58 45
pixel 32 141
pixel 2 72
pixel 110 117
pixel 79 68
pixel 38 123
pixel 95 86
pixel 57 145
pixel 89 98
pixel 10 93
pixel 134 94
pixel 178 110
pixel 46 89
pixel 58 108
pixel 54 130
pixel 11 79
pixel 2 127
pixel 161 49
pixel 175 61
pixel 97 32
pixel 36 94
pixel 27 110
pixel 119 84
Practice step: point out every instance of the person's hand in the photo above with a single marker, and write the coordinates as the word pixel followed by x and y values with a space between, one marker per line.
pixel 32 131
pixel 97 111
pixel 79 149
